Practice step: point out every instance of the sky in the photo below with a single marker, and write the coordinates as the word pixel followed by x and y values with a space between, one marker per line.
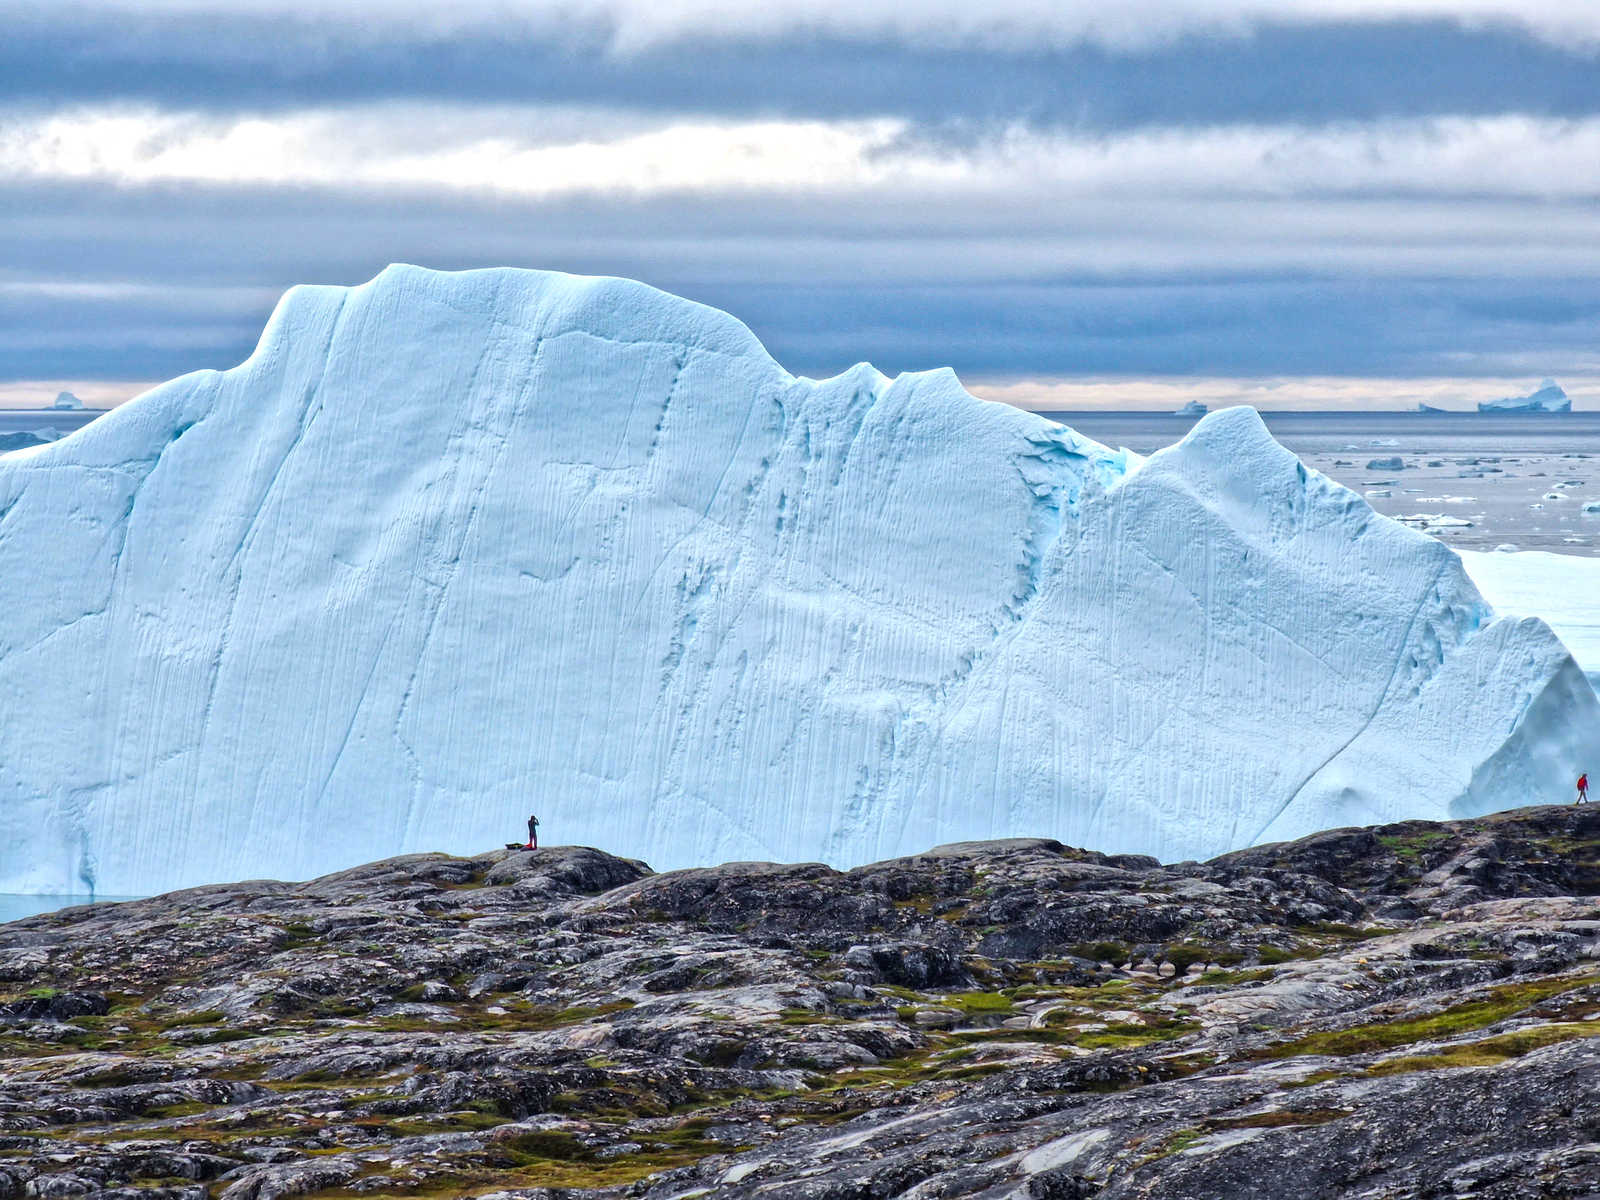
pixel 1327 203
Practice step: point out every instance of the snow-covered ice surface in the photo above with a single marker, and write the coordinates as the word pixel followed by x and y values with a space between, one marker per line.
pixel 1561 589
pixel 448 549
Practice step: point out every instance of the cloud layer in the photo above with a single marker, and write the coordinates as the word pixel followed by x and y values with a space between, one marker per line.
pixel 632 25
pixel 1020 189
pixel 536 152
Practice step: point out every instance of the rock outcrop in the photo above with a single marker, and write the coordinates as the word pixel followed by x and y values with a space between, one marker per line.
pixel 1402 1011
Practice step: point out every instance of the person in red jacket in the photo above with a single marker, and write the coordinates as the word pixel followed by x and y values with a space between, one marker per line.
pixel 1583 788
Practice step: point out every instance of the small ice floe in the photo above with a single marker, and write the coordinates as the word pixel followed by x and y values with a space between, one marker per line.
pixel 1379 493
pixel 1393 463
pixel 1553 496
pixel 1431 521
pixel 1507 548
pixel 1570 483
pixel 1592 508
pixel 1382 442
pixel 1536 505
pixel 1435 462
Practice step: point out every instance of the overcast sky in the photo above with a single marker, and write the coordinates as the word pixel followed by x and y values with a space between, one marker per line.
pixel 1403 195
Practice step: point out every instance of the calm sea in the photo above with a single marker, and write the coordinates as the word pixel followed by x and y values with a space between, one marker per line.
pixel 25 420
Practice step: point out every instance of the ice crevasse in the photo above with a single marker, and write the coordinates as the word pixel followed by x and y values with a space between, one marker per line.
pixel 451 548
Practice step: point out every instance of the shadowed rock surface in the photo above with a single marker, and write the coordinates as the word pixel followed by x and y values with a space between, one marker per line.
pixel 1405 1011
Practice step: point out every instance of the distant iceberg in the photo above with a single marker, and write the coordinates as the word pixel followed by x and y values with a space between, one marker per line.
pixel 21 440
pixel 1192 409
pixel 27 440
pixel 67 402
pixel 1547 398
pixel 448 549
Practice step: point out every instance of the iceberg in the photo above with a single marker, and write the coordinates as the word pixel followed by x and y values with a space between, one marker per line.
pixel 1548 397
pixel 452 548
pixel 25 439
pixel 1559 589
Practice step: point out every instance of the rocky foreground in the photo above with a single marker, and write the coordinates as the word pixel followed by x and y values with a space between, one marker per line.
pixel 1408 1011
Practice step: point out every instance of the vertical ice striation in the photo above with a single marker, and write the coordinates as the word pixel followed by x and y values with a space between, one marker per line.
pixel 449 548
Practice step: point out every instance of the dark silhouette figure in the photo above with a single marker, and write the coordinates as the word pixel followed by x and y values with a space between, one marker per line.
pixel 1583 788
pixel 533 833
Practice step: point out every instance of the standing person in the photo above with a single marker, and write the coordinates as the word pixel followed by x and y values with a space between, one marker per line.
pixel 533 833
pixel 1583 788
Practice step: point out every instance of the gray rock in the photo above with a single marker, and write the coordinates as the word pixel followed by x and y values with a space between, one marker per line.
pixel 1011 1019
pixel 55 1006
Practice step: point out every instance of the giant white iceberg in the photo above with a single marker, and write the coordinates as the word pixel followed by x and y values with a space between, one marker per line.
pixel 451 548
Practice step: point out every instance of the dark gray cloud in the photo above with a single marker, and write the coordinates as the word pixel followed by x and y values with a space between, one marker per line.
pixel 210 263
pixel 1242 327
pixel 1308 73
